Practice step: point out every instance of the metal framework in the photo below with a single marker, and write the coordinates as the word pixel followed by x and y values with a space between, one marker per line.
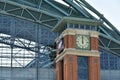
pixel 27 40
pixel 46 14
pixel 24 40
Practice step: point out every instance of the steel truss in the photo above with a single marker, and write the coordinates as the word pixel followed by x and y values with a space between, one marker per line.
pixel 44 12
pixel 22 36
pixel 20 50
pixel 109 44
pixel 48 13
pixel 21 10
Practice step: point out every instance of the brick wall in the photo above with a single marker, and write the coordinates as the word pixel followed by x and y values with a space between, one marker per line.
pixel 69 41
pixel 94 43
pixel 94 62
pixel 59 70
pixel 70 67
pixel 94 68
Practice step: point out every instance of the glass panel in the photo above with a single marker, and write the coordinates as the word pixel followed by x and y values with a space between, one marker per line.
pixel 76 25
pixel 82 26
pixel 70 25
pixel 24 56
pixel 82 68
pixel 110 65
pixel 87 27
pixel 93 28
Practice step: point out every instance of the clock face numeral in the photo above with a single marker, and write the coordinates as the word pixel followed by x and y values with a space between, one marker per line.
pixel 82 42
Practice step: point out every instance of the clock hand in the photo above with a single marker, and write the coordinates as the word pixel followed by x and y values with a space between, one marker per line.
pixel 82 39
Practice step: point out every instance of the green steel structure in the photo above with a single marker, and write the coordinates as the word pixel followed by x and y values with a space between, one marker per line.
pixel 27 37
pixel 50 12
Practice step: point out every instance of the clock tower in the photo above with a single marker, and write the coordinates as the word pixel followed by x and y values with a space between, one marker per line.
pixel 77 56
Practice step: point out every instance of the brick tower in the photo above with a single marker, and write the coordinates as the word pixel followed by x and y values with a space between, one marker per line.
pixel 77 55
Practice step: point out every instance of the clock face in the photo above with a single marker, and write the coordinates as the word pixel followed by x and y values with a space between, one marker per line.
pixel 82 42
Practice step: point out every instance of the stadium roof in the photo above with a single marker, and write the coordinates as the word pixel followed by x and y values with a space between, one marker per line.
pixel 49 13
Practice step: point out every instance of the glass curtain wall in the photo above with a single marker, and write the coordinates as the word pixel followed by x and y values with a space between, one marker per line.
pixel 110 65
pixel 24 50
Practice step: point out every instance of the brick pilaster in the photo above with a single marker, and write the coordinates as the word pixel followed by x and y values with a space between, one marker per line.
pixel 94 43
pixel 70 67
pixel 94 62
pixel 69 41
pixel 94 68
pixel 59 70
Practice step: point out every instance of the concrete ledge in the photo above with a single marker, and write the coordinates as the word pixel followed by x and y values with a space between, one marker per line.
pixel 70 31
pixel 73 51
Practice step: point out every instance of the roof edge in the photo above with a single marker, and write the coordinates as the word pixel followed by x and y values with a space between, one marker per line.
pixel 65 20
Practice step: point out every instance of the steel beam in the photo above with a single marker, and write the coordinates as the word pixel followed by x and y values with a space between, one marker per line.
pixel 111 45
pixel 78 8
pixel 88 6
pixel 27 12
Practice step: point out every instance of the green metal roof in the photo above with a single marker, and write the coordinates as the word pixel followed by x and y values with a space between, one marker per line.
pixel 51 13
pixel 74 20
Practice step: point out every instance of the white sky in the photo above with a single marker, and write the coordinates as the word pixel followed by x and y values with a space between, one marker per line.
pixel 109 8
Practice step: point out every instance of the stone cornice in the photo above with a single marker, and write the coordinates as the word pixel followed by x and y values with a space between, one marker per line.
pixel 73 51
